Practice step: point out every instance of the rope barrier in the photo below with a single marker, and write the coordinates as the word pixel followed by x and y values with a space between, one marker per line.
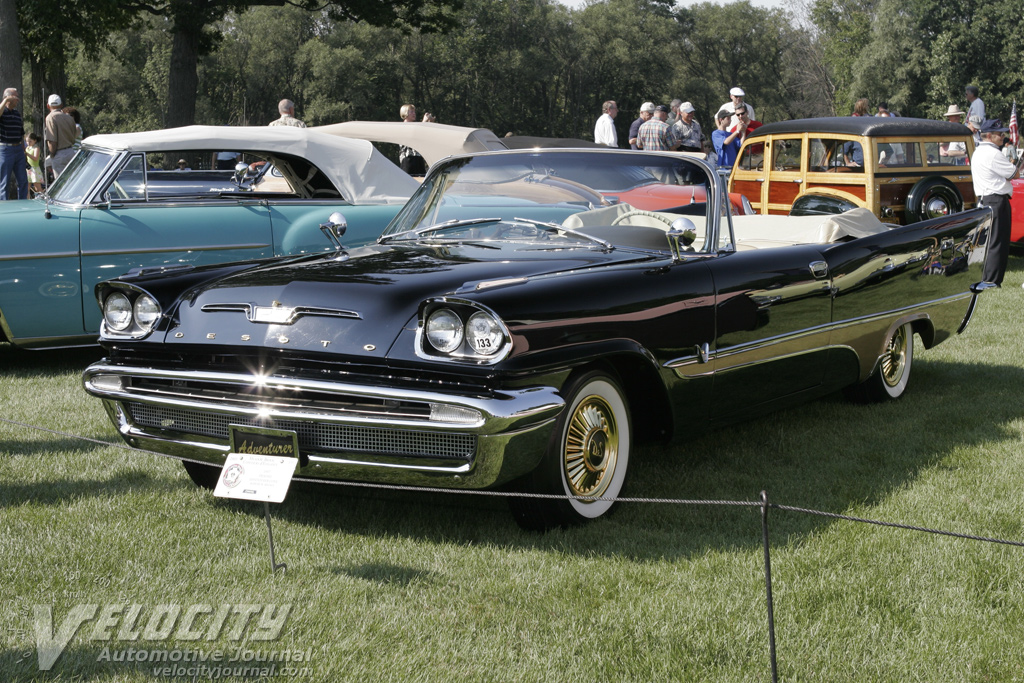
pixel 520 494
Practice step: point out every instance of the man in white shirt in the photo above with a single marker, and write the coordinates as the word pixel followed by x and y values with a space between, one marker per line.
pixel 991 173
pixel 604 129
pixel 735 102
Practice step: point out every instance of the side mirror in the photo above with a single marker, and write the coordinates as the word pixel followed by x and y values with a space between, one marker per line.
pixel 334 229
pixel 681 235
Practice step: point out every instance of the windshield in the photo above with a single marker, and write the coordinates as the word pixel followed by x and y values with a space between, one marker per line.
pixel 627 199
pixel 74 184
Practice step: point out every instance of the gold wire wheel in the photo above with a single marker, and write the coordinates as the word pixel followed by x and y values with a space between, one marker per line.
pixel 591 447
pixel 894 361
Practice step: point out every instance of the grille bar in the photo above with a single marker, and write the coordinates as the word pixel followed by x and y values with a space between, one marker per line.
pixel 313 436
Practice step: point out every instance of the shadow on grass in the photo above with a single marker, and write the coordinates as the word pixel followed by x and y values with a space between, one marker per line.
pixel 828 455
pixel 384 573
pixel 62 490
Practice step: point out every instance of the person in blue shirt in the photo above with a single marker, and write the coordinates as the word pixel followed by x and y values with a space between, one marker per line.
pixel 854 154
pixel 727 144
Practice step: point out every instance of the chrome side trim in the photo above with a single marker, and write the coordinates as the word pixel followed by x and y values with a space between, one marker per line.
pixel 161 250
pixel 76 341
pixel 25 257
pixel 901 311
pixel 679 364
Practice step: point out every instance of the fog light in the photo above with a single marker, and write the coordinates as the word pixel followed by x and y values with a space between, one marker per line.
pixel 441 412
pixel 107 382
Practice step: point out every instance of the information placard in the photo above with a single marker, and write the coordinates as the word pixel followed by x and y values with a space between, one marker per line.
pixel 260 466
pixel 256 477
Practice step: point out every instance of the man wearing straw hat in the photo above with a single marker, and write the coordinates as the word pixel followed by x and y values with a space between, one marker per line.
pixel 954 152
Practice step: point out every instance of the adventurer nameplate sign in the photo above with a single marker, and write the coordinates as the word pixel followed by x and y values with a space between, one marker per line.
pixel 263 441
pixel 261 465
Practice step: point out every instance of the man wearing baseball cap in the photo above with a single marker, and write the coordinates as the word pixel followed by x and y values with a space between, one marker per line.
pixel 656 135
pixel 991 173
pixel 12 145
pixel 59 132
pixel 688 130
pixel 646 112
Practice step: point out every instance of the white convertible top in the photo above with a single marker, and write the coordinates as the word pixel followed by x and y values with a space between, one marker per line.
pixel 434 141
pixel 361 173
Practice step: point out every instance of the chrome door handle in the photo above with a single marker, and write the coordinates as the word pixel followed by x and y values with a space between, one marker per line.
pixel 819 269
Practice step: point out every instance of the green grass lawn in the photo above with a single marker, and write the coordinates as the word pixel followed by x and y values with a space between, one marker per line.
pixel 394 586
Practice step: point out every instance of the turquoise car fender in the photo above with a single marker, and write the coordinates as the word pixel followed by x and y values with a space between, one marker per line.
pixel 40 272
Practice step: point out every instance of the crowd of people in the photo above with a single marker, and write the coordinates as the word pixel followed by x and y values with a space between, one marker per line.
pixel 32 161
pixel 675 128
pixel 993 165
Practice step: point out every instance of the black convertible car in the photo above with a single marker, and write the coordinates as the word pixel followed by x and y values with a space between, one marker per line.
pixel 513 326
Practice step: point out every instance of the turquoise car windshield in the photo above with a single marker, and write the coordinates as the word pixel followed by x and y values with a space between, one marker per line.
pixel 74 184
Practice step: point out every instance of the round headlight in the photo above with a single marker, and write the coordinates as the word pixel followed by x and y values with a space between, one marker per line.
pixel 444 330
pixel 484 334
pixel 147 312
pixel 117 312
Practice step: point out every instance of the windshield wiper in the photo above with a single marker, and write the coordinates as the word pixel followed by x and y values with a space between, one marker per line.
pixel 607 246
pixel 447 225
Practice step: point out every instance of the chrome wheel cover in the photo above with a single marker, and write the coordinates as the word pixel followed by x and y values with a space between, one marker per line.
pixel 894 360
pixel 591 448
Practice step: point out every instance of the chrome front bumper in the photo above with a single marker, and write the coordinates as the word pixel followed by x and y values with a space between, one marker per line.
pixel 346 431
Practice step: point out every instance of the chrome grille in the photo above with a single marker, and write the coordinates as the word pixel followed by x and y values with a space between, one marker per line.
pixel 313 436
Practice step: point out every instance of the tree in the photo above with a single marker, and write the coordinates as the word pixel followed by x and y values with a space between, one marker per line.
pixel 844 29
pixel 48 27
pixel 737 45
pixel 10 47
pixel 192 20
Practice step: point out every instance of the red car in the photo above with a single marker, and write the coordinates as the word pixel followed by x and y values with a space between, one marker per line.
pixel 1017 213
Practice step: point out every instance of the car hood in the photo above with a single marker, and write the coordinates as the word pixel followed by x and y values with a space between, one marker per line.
pixel 358 305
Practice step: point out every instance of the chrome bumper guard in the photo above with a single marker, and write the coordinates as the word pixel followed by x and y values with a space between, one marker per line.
pixel 346 431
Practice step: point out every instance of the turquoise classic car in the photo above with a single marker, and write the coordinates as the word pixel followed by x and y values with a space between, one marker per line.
pixel 181 197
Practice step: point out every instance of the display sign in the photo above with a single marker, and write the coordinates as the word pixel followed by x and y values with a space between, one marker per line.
pixel 260 466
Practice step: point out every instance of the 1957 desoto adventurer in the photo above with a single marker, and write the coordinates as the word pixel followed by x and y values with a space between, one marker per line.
pixel 514 327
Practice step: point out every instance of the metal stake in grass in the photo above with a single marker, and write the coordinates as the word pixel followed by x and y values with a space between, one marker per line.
pixel 274 566
pixel 767 586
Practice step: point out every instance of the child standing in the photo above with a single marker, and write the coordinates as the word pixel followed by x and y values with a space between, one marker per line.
pixel 32 154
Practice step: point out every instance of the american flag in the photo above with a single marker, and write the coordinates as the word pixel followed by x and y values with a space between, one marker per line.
pixel 1013 123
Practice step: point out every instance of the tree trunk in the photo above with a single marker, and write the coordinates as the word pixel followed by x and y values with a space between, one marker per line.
pixel 183 79
pixel 48 77
pixel 10 47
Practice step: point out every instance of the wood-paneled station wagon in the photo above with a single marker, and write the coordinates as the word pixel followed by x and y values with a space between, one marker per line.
pixel 904 170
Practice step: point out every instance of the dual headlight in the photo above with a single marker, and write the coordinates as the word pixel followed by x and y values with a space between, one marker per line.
pixel 129 313
pixel 462 331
